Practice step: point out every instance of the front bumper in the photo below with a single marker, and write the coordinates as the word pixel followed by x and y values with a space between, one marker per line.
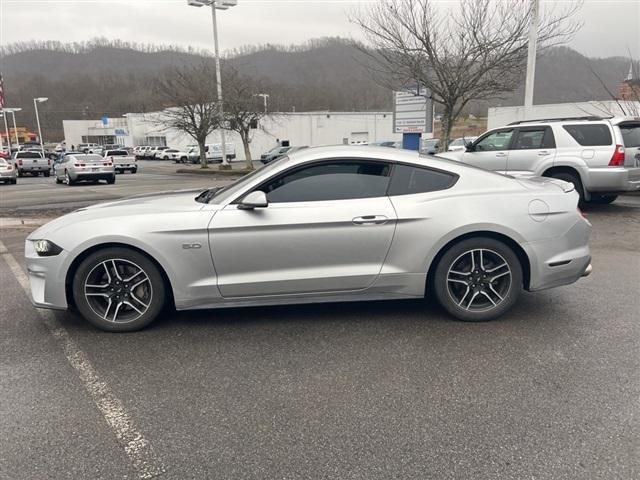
pixel 47 278
pixel 613 179
pixel 8 175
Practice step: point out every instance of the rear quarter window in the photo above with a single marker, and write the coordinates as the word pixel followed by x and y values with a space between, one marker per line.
pixel 630 134
pixel 408 179
pixel 590 135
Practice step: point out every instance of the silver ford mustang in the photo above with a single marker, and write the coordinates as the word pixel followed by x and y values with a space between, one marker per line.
pixel 324 225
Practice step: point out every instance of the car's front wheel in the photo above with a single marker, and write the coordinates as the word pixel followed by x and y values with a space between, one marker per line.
pixel 118 290
pixel 478 279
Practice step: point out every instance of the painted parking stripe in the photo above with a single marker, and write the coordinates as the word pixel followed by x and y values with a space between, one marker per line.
pixel 138 449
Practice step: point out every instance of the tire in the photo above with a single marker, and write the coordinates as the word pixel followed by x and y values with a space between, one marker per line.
pixel 47 174
pixel 14 181
pixel 165 158
pixel 473 297
pixel 19 172
pixel 571 178
pixel 111 180
pixel 134 170
pixel 183 160
pixel 58 181
pixel 67 179
pixel 138 304
pixel 602 199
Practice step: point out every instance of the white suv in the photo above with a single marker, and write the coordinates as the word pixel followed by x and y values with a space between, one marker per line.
pixel 600 156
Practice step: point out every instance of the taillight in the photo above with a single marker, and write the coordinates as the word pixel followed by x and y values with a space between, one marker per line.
pixel 108 164
pixel 49 161
pixel 19 162
pixel 9 167
pixel 617 160
pixel 78 164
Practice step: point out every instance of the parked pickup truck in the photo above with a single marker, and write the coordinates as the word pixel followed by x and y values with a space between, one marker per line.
pixel 122 160
pixel 31 162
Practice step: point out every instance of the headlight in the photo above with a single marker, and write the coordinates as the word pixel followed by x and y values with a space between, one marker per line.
pixel 45 248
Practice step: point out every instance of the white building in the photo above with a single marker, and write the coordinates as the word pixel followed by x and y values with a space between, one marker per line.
pixel 298 128
pixel 500 116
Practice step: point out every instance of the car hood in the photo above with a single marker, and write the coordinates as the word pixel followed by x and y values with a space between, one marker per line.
pixel 156 203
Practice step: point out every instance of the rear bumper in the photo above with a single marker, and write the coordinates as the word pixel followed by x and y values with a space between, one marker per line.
pixel 8 175
pixel 613 179
pixel 562 260
pixel 92 176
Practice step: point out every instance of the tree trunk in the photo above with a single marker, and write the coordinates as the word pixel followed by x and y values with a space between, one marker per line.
pixel 247 152
pixel 244 136
pixel 446 124
pixel 203 154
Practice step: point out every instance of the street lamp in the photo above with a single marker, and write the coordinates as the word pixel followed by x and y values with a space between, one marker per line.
pixel 13 111
pixel 217 5
pixel 36 101
pixel 264 98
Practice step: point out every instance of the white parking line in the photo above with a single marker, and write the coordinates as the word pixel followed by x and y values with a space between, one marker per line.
pixel 137 448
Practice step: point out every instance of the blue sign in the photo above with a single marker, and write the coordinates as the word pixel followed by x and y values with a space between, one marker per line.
pixel 105 120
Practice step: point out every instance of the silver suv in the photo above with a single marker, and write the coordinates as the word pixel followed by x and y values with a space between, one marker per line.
pixel 600 156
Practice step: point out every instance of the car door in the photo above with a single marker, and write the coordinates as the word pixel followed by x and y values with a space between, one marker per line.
pixel 532 150
pixel 491 150
pixel 327 228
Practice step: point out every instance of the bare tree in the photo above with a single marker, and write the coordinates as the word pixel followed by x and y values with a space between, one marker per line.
pixel 474 52
pixel 189 97
pixel 242 110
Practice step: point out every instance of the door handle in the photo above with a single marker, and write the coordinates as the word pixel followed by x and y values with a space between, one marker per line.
pixel 501 154
pixel 370 220
pixel 543 153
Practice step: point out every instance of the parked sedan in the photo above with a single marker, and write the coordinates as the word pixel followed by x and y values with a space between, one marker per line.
pixel 91 167
pixel 459 144
pixel 274 154
pixel 327 224
pixel 8 173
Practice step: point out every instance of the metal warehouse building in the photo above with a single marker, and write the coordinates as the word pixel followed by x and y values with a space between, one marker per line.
pixel 299 128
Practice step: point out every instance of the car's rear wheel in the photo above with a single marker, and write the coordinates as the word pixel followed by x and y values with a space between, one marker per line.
pixel 134 170
pixel 602 199
pixel 478 279
pixel 118 290
pixel 111 180
pixel 47 174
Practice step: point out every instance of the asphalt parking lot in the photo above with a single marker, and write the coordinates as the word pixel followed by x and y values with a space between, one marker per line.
pixel 343 391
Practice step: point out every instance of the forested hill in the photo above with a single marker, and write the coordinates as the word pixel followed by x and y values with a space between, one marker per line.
pixel 111 77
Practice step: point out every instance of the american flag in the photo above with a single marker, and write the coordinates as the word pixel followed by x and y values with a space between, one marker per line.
pixel 2 99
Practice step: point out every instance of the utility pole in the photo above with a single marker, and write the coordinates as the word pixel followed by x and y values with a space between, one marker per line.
pixel 531 57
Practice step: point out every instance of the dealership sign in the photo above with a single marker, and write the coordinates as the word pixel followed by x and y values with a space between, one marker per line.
pixel 412 111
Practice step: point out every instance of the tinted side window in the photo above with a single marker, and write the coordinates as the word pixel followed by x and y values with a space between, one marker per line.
pixel 533 138
pixel 407 180
pixel 590 135
pixel 339 180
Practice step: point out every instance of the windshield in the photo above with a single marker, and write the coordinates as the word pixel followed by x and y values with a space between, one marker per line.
pixel 630 134
pixel 458 142
pixel 219 195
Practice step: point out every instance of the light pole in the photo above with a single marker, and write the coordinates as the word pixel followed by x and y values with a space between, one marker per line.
pixel 217 5
pixel 531 56
pixel 13 111
pixel 36 101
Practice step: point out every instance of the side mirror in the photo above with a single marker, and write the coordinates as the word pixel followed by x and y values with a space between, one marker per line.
pixel 469 147
pixel 257 199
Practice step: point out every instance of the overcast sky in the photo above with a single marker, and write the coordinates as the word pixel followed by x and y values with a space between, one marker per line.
pixel 611 27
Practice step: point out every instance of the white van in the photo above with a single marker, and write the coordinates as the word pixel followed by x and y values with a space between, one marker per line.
pixel 214 151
